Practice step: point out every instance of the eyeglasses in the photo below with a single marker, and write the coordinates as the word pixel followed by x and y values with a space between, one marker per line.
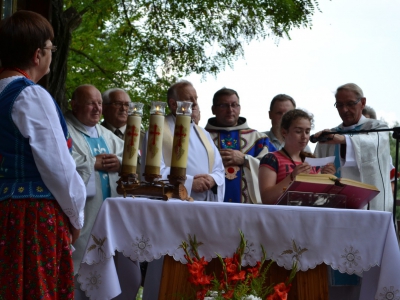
pixel 119 104
pixel 227 105
pixel 350 104
pixel 51 48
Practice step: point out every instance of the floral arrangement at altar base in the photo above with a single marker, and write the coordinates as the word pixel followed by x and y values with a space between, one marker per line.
pixel 235 281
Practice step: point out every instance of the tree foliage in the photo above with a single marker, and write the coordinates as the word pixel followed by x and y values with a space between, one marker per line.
pixel 144 45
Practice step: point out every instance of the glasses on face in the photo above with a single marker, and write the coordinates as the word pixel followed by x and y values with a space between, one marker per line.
pixel 51 48
pixel 350 104
pixel 228 105
pixel 119 104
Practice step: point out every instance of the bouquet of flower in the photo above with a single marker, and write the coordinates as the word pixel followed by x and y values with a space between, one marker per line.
pixel 235 282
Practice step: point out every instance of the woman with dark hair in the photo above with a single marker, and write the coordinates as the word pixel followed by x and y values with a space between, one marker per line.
pixel 278 169
pixel 41 195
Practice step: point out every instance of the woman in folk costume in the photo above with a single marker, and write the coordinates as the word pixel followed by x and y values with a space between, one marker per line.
pixel 41 195
pixel 278 169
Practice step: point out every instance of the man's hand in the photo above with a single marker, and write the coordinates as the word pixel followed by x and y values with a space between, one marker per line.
pixel 232 157
pixel 332 138
pixel 202 183
pixel 107 163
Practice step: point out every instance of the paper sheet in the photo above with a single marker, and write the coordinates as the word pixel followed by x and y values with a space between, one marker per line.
pixel 318 162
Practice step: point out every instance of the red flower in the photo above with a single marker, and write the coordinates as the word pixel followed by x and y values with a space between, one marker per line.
pixel 235 281
pixel 232 264
pixel 231 268
pixel 254 272
pixel 196 270
pixel 281 292
pixel 197 267
pixel 228 294
pixel 201 294
pixel 238 276
pixel 200 279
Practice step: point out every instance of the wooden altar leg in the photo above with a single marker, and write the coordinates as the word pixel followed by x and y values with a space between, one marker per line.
pixel 310 285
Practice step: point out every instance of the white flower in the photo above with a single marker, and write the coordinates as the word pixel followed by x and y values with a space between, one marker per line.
pixel 251 297
pixel 214 294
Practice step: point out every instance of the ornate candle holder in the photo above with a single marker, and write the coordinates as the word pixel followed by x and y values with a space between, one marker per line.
pixel 180 143
pixel 128 183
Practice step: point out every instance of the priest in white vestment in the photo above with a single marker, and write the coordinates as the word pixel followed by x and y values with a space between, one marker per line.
pixel 98 154
pixel 362 157
pixel 205 174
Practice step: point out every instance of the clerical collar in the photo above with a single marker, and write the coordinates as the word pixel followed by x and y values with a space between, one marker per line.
pixel 92 131
pixel 362 120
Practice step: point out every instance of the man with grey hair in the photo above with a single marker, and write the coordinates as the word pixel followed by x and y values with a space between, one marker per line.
pixel 115 110
pixel 205 175
pixel 362 157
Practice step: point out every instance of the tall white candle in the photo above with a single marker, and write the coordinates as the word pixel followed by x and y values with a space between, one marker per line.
pixel 181 135
pixel 155 136
pixel 132 136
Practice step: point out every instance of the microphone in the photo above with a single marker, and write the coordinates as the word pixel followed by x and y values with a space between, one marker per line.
pixel 322 137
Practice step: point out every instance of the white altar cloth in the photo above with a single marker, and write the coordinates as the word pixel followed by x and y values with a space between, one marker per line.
pixel 351 241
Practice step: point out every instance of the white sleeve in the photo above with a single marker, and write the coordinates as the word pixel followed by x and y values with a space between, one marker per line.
pixel 35 115
pixel 218 172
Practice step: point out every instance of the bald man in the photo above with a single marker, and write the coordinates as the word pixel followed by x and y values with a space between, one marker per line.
pixel 98 154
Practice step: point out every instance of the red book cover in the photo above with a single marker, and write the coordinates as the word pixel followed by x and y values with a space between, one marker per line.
pixel 357 194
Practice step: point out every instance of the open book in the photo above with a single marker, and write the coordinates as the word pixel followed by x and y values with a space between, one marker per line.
pixel 358 194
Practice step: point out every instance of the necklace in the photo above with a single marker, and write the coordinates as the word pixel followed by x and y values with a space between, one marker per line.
pixel 288 155
pixel 17 70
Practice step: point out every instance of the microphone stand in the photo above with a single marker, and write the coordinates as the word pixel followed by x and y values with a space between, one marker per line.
pixel 396 136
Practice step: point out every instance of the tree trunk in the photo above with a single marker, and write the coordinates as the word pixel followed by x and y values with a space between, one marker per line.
pixel 64 23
